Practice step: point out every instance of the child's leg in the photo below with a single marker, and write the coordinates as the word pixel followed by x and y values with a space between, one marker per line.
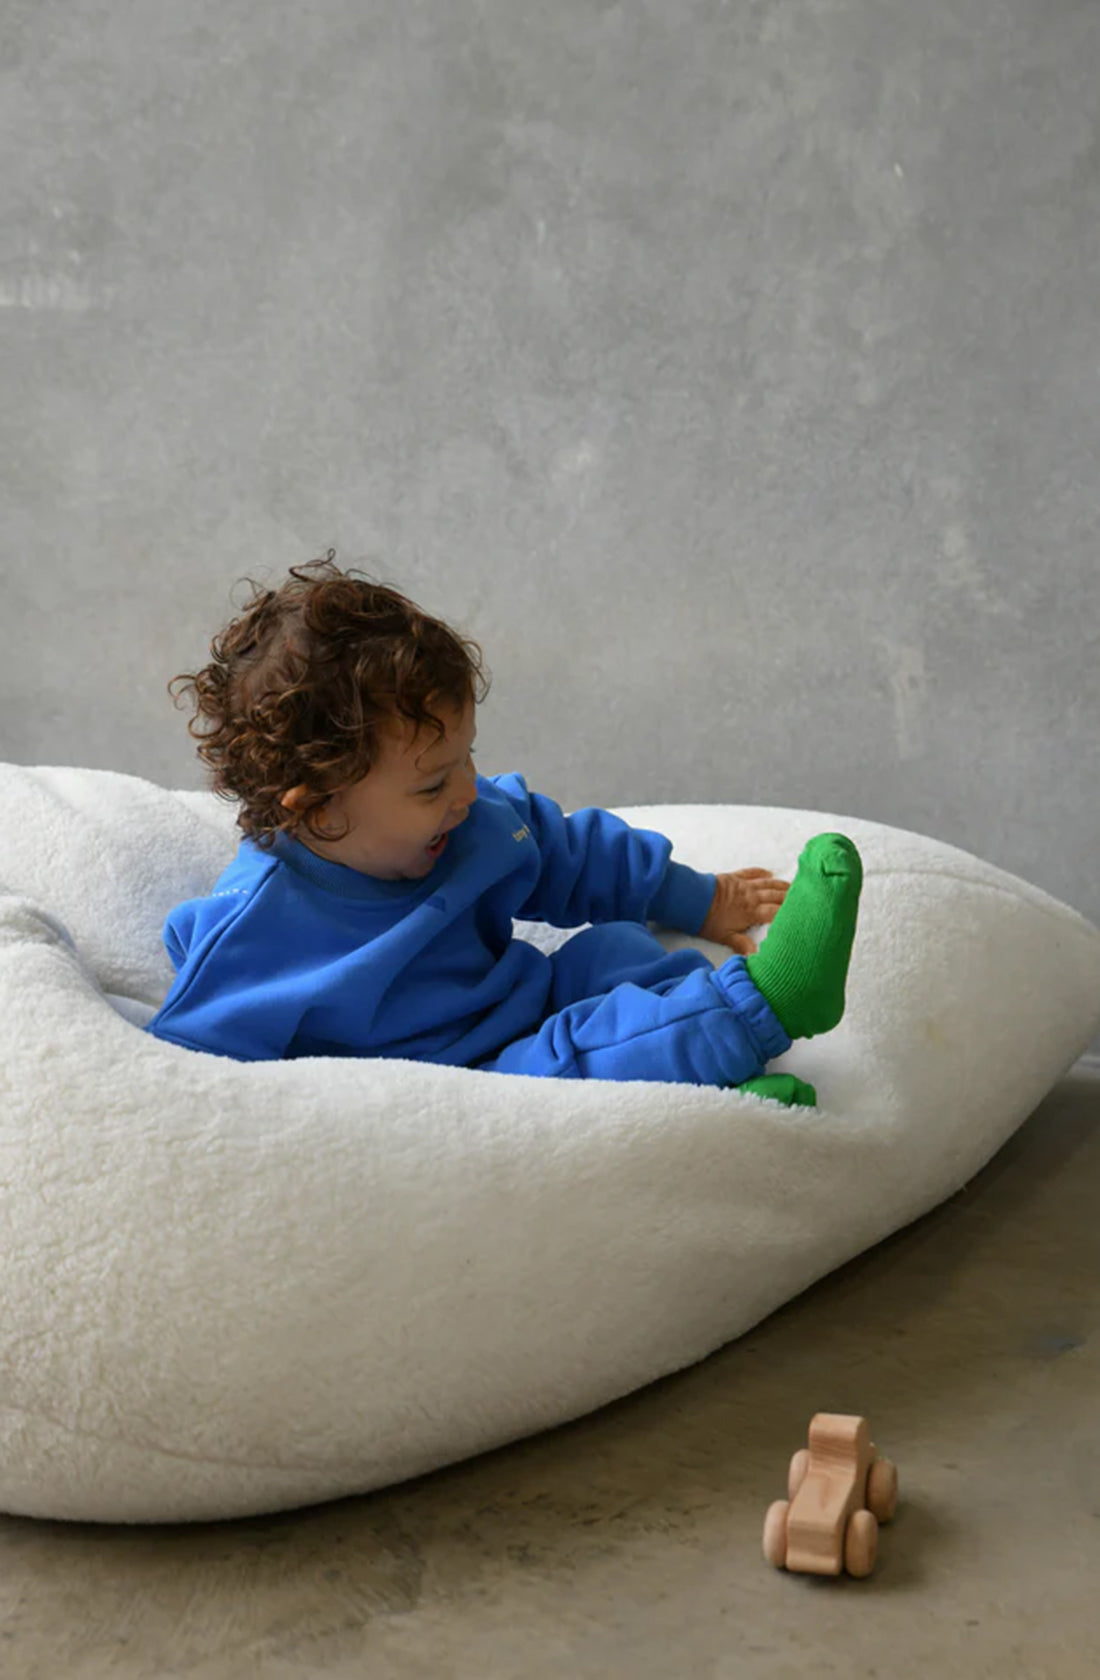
pixel 696 1026
pixel 611 954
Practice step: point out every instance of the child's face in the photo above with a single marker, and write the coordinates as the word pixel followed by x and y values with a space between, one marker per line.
pixel 417 790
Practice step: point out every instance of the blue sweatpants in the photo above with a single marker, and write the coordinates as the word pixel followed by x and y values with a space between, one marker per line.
pixel 622 1007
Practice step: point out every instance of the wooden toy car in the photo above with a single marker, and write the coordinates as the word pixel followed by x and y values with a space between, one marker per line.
pixel 839 1491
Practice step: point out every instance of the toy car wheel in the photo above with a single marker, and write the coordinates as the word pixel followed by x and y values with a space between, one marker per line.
pixel 882 1489
pixel 775 1533
pixel 799 1470
pixel 860 1543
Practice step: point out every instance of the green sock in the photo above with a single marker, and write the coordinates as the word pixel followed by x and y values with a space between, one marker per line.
pixel 782 1087
pixel 803 963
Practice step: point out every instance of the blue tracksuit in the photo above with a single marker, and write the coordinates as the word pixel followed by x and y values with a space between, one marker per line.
pixel 294 955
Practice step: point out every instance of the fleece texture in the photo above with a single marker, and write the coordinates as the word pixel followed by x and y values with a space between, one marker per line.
pixel 238 1287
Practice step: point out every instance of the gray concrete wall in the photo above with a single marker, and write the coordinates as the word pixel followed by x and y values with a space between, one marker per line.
pixel 731 370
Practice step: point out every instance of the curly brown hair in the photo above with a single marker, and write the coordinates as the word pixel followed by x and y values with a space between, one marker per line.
pixel 301 683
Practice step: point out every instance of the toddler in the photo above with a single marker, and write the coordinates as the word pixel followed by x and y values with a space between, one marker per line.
pixel 369 909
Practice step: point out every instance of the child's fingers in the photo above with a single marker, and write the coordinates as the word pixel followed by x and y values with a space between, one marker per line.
pixel 764 876
pixel 768 895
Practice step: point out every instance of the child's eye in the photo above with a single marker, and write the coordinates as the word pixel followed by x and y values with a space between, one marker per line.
pixel 430 793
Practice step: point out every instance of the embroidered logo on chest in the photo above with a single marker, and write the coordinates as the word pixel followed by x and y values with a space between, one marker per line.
pixel 523 833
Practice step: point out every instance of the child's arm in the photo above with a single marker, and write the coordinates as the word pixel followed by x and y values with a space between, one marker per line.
pixel 597 868
pixel 248 1023
pixel 231 995
pixel 594 867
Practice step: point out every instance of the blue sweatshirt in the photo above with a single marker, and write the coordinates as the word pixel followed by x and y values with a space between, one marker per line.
pixel 294 955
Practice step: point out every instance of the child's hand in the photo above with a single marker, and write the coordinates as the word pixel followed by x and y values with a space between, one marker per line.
pixel 742 900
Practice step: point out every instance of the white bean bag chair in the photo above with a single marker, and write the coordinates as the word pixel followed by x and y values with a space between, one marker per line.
pixel 232 1288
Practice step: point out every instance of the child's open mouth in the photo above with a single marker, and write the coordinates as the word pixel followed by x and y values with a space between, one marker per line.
pixel 436 845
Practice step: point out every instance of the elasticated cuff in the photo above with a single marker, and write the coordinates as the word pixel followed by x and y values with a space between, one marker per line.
pixel 733 981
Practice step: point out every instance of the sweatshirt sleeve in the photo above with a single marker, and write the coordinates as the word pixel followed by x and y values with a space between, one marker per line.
pixel 231 997
pixel 597 868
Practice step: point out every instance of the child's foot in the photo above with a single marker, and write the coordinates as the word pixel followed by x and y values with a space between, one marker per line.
pixel 802 965
pixel 782 1087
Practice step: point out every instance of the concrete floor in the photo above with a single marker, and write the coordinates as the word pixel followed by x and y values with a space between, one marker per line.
pixel 628 1545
